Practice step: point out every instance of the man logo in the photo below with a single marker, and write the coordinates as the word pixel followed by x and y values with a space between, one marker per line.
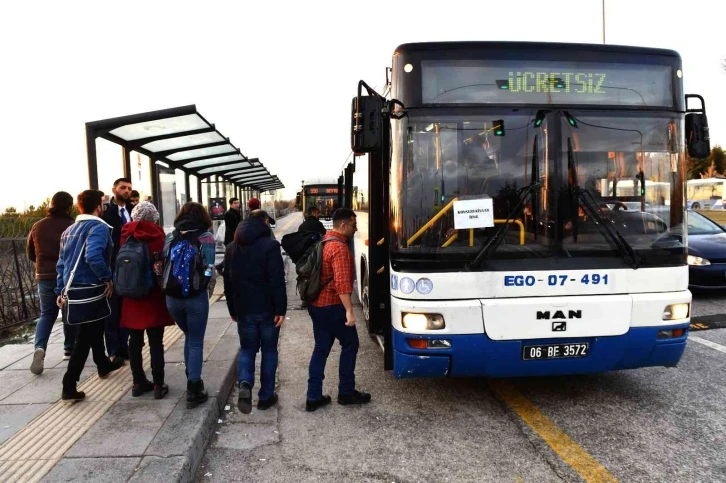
pixel 559 326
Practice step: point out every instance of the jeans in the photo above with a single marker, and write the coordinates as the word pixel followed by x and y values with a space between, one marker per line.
pixel 328 325
pixel 191 316
pixel 156 353
pixel 255 331
pixel 88 337
pixel 117 338
pixel 48 315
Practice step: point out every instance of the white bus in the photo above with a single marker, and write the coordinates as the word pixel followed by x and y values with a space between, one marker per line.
pixel 706 194
pixel 526 206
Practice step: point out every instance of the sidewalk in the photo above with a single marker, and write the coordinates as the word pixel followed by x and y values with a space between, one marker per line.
pixel 111 437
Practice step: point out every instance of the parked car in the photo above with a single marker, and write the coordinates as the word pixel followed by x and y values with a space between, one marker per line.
pixel 706 253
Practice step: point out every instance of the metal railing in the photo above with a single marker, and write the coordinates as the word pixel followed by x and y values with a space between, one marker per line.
pixel 19 300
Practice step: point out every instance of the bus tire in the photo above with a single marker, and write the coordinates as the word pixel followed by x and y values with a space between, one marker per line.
pixel 365 301
pixel 696 206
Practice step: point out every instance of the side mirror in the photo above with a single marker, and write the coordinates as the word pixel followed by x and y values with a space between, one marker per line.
pixel 366 122
pixel 698 141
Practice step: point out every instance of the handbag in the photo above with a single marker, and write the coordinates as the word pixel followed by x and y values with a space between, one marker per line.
pixel 84 303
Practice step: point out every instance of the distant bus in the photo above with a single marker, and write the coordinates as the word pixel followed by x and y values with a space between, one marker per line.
pixel 323 195
pixel 706 194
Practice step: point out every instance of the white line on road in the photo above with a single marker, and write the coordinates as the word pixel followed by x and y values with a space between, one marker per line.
pixel 708 343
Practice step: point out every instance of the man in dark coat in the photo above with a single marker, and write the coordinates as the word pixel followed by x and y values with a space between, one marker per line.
pixel 312 223
pixel 231 219
pixel 254 285
pixel 117 213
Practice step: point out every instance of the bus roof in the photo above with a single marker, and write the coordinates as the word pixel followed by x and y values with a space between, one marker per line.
pixel 533 46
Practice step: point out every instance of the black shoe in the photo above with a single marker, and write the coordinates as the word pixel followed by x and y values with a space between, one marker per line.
pixel 355 398
pixel 196 394
pixel 312 405
pixel 113 365
pixel 73 395
pixel 263 404
pixel 144 387
pixel 160 391
pixel 244 399
pixel 123 354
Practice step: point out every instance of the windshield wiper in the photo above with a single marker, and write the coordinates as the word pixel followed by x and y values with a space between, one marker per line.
pixel 588 202
pixel 525 194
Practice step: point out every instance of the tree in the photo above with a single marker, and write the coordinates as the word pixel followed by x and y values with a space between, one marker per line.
pixel 10 211
pixel 718 158
pixel 697 166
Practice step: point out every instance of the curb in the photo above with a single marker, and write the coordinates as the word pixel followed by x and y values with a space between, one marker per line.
pixel 194 454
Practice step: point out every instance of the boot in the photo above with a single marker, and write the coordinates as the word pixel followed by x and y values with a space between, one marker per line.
pixel 196 394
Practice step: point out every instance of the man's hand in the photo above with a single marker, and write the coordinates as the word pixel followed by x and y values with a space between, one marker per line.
pixel 109 289
pixel 349 318
pixel 279 319
pixel 59 302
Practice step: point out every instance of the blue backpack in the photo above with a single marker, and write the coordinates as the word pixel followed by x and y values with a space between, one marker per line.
pixel 184 266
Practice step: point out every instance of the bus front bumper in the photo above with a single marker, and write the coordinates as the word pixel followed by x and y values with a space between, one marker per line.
pixel 478 355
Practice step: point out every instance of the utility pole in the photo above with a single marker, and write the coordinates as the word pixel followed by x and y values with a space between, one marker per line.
pixel 603 21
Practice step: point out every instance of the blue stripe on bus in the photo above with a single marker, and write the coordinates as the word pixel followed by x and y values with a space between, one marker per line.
pixel 478 355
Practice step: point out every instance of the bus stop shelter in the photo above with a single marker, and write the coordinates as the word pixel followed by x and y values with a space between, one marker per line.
pixel 182 152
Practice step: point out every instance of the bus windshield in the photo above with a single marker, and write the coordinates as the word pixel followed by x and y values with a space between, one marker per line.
pixel 461 180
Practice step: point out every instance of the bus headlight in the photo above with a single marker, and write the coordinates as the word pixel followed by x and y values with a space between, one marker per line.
pixel 420 322
pixel 697 261
pixel 676 312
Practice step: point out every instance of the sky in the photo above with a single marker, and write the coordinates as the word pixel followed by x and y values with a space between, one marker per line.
pixel 275 77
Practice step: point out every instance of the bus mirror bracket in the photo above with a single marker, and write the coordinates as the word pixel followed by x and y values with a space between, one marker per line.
pixel 698 142
pixel 366 121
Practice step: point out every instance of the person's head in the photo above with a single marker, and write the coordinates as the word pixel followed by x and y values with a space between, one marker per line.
pixel 312 211
pixel 145 211
pixel 253 204
pixel 135 197
pixel 196 211
pixel 260 215
pixel 90 202
pixel 61 204
pixel 234 203
pixel 122 190
pixel 344 222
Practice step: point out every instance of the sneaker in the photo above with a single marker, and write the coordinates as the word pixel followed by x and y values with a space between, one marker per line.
pixel 142 388
pixel 263 404
pixel 160 391
pixel 73 395
pixel 355 398
pixel 312 405
pixel 36 367
pixel 66 355
pixel 113 365
pixel 244 400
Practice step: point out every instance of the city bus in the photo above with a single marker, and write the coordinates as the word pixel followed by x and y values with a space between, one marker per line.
pixel 707 194
pixel 323 194
pixel 526 208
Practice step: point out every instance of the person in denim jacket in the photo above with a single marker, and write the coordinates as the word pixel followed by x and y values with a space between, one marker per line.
pixel 94 268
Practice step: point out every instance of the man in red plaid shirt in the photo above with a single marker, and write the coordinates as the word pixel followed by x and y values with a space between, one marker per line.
pixel 333 317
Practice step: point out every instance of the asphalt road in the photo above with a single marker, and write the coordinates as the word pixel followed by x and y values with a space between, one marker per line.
pixel 645 425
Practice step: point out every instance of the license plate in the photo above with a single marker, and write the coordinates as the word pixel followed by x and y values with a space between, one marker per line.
pixel 555 351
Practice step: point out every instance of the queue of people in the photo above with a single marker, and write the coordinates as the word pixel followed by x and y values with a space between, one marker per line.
pixel 116 276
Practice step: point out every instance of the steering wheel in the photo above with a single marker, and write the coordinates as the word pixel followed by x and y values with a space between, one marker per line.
pixel 619 205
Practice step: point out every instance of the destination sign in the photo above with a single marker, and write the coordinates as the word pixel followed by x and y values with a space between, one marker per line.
pixel 319 190
pixel 541 82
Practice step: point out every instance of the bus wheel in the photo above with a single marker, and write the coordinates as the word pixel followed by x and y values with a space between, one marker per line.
pixel 365 299
pixel 696 206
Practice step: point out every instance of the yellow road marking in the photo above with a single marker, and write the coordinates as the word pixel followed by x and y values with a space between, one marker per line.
pixel 572 453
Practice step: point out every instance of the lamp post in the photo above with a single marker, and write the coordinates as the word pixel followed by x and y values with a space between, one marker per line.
pixel 603 21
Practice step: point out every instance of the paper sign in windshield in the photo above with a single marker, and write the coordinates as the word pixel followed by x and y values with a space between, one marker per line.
pixel 473 213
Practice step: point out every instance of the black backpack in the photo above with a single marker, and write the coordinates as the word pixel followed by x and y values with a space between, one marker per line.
pixel 309 268
pixel 297 244
pixel 133 276
pixel 178 281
